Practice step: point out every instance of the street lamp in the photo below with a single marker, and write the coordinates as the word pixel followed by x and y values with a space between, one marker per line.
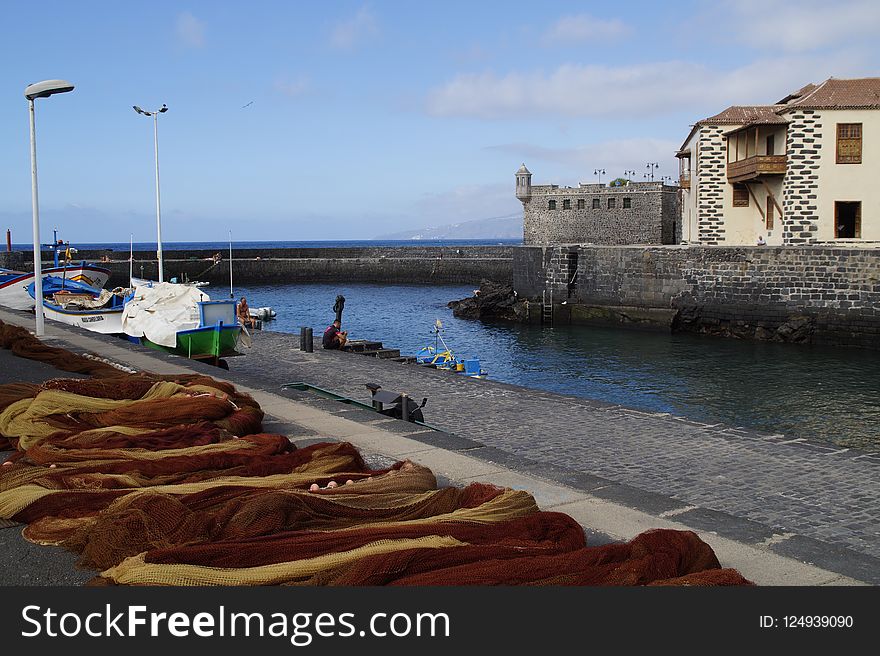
pixel 39 90
pixel 155 115
pixel 666 178
pixel 630 174
pixel 600 173
pixel 651 166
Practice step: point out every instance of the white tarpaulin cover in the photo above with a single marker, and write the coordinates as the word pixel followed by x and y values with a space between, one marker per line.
pixel 159 310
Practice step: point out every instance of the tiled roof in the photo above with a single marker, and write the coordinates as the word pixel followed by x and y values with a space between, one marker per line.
pixel 807 88
pixel 861 93
pixel 746 114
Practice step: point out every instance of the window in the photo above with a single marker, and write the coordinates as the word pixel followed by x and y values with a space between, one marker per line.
pixel 769 214
pixel 627 203
pixel 771 144
pixel 566 204
pixel 740 195
pixel 595 203
pixel 847 219
pixel 551 205
pixel 612 203
pixel 849 143
pixel 582 204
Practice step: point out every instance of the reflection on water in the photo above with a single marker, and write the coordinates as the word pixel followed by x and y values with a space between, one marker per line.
pixel 829 393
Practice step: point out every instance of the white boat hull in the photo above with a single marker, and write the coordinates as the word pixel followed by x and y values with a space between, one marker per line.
pixel 13 292
pixel 106 322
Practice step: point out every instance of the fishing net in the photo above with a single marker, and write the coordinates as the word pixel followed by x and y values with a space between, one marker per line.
pixel 169 480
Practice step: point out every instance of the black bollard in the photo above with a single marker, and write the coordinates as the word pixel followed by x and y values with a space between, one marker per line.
pixel 310 344
pixel 302 338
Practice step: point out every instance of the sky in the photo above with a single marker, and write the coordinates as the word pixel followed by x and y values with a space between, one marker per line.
pixel 347 120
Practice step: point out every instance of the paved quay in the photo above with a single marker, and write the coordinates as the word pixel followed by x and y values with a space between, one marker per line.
pixel 782 511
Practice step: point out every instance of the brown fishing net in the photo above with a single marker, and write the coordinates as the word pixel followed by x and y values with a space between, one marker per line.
pixel 169 480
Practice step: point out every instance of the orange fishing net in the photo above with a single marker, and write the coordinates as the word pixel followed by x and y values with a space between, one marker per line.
pixel 168 480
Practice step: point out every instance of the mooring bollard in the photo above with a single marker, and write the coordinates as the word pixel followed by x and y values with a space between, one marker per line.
pixel 310 344
pixel 302 338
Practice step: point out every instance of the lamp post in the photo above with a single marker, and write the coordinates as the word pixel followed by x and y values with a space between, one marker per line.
pixel 155 115
pixel 666 178
pixel 630 174
pixel 600 173
pixel 651 166
pixel 32 92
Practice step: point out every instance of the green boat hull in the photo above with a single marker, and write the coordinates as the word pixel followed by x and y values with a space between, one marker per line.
pixel 209 343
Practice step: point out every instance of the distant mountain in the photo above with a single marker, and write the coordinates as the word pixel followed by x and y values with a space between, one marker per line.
pixel 502 227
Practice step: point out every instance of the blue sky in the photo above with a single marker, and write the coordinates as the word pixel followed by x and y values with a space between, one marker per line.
pixel 346 120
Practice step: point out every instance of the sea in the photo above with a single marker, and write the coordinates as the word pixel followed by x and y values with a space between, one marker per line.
pixel 224 245
pixel 830 394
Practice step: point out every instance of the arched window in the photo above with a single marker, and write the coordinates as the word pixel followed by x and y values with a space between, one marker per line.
pixel 612 203
pixel 551 205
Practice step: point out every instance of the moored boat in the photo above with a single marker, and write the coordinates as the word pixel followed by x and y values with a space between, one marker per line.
pixel 182 319
pixel 81 305
pixel 14 284
pixel 443 358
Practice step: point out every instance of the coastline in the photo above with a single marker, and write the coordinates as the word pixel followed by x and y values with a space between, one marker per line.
pixel 487 442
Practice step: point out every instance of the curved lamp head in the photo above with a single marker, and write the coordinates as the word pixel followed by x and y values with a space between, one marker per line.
pixel 47 88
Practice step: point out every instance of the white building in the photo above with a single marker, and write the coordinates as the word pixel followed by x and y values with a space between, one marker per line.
pixel 801 171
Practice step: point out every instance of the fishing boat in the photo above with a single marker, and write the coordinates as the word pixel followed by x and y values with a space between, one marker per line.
pixel 14 284
pixel 443 358
pixel 182 319
pixel 81 305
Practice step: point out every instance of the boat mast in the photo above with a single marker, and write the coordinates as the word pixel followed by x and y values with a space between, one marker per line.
pixel 131 260
pixel 231 295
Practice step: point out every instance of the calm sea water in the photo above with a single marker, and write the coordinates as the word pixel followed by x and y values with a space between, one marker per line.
pixel 828 393
pixel 224 245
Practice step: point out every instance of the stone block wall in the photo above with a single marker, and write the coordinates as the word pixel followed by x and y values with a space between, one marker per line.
pixel 801 186
pixel 712 174
pixel 653 211
pixel 809 294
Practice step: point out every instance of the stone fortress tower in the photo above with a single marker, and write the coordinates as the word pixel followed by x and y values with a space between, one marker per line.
pixel 635 213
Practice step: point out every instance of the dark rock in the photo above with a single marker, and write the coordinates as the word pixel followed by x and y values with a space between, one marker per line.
pixel 491 301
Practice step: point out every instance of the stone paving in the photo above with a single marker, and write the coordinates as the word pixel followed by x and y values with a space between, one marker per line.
pixel 807 499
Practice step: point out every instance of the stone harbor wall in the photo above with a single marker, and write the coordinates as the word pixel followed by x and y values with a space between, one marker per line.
pixel 807 294
pixel 466 265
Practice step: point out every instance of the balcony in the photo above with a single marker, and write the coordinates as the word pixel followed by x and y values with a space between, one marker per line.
pixel 755 167
pixel 684 181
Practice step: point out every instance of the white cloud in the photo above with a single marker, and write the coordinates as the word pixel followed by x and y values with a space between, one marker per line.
pixel 628 91
pixel 808 25
pixel 584 28
pixel 293 87
pixel 615 156
pixel 356 30
pixel 190 30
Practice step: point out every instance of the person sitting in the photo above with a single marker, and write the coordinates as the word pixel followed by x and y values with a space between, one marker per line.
pixel 761 241
pixel 244 313
pixel 333 337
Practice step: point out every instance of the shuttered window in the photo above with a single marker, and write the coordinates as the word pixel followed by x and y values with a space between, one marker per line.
pixel 849 143
pixel 581 203
pixel 566 204
pixel 740 196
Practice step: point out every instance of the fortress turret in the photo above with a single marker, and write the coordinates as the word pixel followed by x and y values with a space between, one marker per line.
pixel 523 183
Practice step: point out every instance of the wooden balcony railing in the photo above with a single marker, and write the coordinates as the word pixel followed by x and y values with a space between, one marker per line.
pixel 684 181
pixel 756 166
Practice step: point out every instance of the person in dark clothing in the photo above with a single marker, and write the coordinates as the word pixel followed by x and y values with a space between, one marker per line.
pixel 333 337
